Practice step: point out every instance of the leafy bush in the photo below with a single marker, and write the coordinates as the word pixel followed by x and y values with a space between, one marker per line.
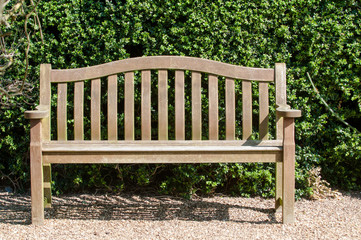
pixel 319 37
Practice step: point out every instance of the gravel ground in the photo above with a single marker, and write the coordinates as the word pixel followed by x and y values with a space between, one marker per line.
pixel 86 216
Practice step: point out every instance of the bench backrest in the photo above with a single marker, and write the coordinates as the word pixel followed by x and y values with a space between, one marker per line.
pixel 160 65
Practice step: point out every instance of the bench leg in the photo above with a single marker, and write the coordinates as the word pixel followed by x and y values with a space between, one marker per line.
pixel 279 184
pixel 47 185
pixel 288 194
pixel 36 172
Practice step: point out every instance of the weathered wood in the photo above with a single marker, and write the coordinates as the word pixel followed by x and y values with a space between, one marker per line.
pixel 146 101
pixel 164 157
pixel 179 106
pixel 95 109
pixel 129 106
pixel 286 112
pixel 288 179
pixel 281 95
pixel 213 107
pixel 47 184
pixel 112 107
pixel 62 111
pixel 163 145
pixel 196 106
pixel 45 101
pixel 164 62
pixel 45 97
pixel 36 173
pixel 246 110
pixel 43 152
pixel 40 113
pixel 79 111
pixel 163 105
pixel 230 110
pixel 263 111
pixel 281 99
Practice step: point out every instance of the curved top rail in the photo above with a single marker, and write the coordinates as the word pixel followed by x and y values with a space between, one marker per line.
pixel 163 62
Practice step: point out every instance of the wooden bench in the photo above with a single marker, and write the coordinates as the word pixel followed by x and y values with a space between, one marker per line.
pixel 45 151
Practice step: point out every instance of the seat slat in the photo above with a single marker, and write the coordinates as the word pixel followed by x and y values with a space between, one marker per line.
pixel 95 109
pixel 163 105
pixel 62 111
pixel 163 146
pixel 145 109
pixel 79 110
pixel 263 111
pixel 247 109
pixel 129 106
pixel 179 106
pixel 166 157
pixel 213 107
pixel 112 107
pixel 196 107
pixel 230 110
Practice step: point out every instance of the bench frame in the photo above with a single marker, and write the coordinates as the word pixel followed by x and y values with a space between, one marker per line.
pixel 44 151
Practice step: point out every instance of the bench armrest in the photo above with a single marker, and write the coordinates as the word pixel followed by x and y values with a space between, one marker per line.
pixel 41 111
pixel 287 112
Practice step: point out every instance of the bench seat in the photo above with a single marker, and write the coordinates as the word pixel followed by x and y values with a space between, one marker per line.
pixel 162 151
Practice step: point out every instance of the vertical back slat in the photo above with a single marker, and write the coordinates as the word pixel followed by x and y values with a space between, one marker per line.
pixel 79 110
pixel 196 107
pixel 145 111
pixel 230 110
pixel 247 109
pixel 163 105
pixel 61 112
pixel 179 106
pixel 263 110
pixel 112 108
pixel 95 109
pixel 213 107
pixel 129 106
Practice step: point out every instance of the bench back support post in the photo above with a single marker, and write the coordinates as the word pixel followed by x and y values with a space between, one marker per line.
pixel 281 98
pixel 45 100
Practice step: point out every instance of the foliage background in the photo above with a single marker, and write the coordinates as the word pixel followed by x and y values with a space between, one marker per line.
pixel 319 37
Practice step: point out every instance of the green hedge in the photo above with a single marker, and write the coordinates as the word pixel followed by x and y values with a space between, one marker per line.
pixel 319 37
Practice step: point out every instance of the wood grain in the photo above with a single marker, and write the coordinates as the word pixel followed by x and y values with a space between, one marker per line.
pixel 196 107
pixel 95 109
pixel 246 109
pixel 288 179
pixel 164 62
pixel 179 106
pixel 281 99
pixel 129 106
pixel 213 107
pixel 62 111
pixel 263 111
pixel 146 103
pixel 113 107
pixel 36 173
pixel 45 97
pixel 79 111
pixel 163 105
pixel 230 110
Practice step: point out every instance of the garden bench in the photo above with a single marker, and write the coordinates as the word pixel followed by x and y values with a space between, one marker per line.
pixel 111 149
